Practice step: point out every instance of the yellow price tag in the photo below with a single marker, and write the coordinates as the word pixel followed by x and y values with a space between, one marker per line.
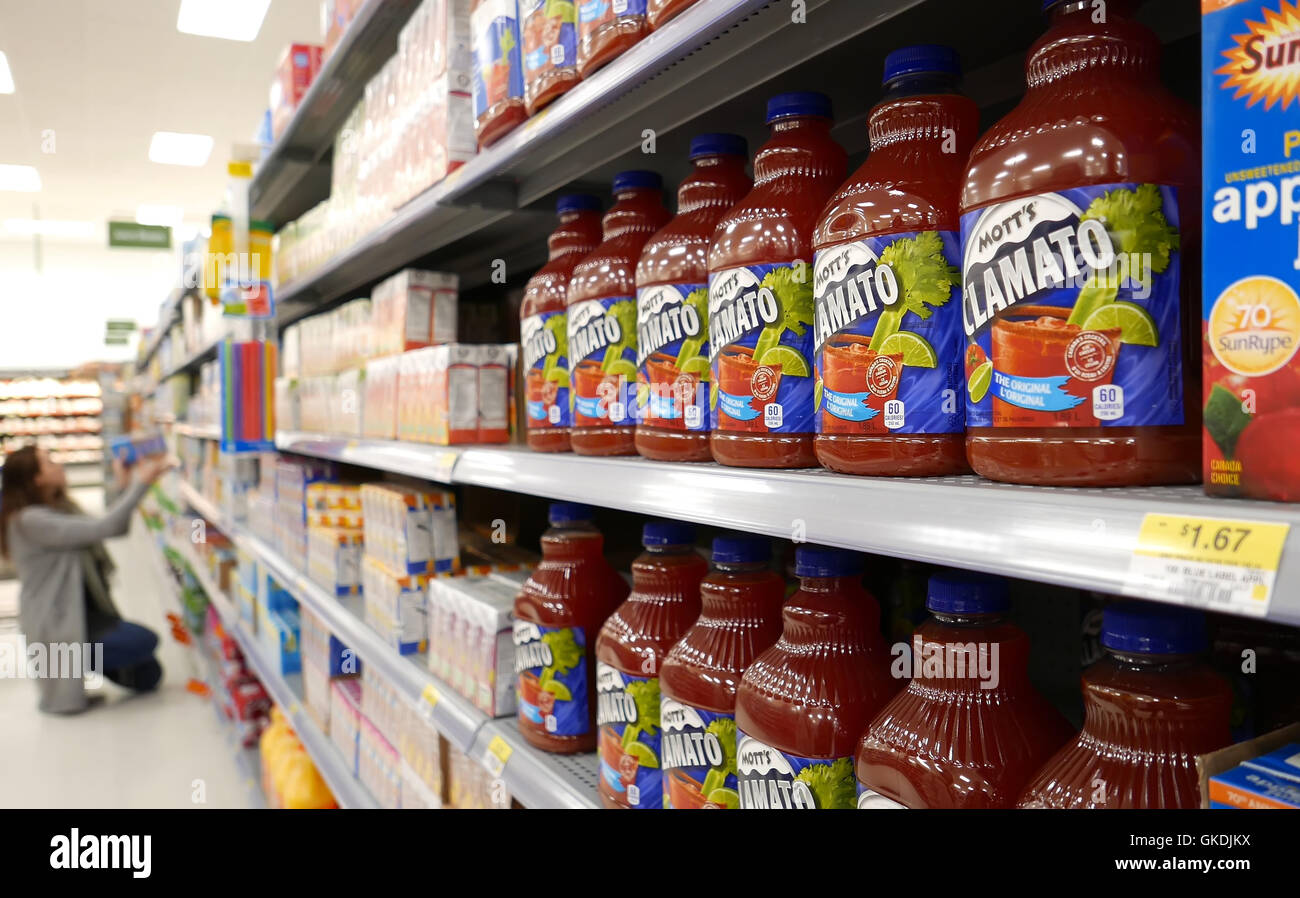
pixel 536 120
pixel 498 752
pixel 1222 564
pixel 430 696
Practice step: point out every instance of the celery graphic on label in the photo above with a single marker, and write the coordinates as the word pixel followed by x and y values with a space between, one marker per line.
pixel 646 695
pixel 691 358
pixel 551 369
pixel 624 312
pixel 924 279
pixel 1136 224
pixel 713 787
pixel 566 654
pixel 832 785
pixel 792 288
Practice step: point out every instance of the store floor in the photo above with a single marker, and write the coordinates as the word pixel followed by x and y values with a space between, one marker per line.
pixel 161 750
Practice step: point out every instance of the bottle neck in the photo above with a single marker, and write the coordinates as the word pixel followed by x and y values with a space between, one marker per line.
pixel 929 122
pixel 578 232
pixel 831 611
pixel 1079 50
pixel 717 181
pixel 1150 663
pixel 793 149
pixel 953 619
pixel 634 211
pixel 573 541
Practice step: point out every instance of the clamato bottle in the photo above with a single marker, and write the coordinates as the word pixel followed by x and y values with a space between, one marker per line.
pixel 804 702
pixel 550 52
pixel 543 325
pixel 969 730
pixel 659 12
pixel 740 616
pixel 602 319
pixel 1151 705
pixel 1080 226
pixel 606 28
pixel 672 281
pixel 498 87
pixel 558 612
pixel 761 292
pixel 633 643
pixel 889 343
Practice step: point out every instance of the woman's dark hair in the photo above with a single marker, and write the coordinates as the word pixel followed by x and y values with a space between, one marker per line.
pixel 18 489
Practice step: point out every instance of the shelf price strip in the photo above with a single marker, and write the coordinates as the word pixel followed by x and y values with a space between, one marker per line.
pixel 1215 563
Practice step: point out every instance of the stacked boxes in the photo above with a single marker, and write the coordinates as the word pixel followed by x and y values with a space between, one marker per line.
pixel 345 720
pixel 298 66
pixel 495 376
pixel 409 530
pixel 379 413
pixel 395 605
pixel 413 309
pixel 421 749
pixel 280 635
pixel 324 658
pixel 378 766
pixel 292 477
pixel 334 559
pixel 470 645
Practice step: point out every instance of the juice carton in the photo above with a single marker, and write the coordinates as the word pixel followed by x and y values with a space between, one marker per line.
pixel 495 377
pixel 379 412
pixel 454 398
pixel 347 407
pixel 1251 293
pixel 334 559
pixel 395 606
pixel 414 309
pixel 345 719
pixel 295 72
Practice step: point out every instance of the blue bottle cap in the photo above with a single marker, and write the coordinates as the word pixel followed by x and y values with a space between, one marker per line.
pixel 628 180
pixel 667 533
pixel 921 59
pixel 576 202
pixel 741 548
pixel 966 592
pixel 823 561
pixel 1150 628
pixel 568 512
pixel 1048 4
pixel 718 145
pixel 798 102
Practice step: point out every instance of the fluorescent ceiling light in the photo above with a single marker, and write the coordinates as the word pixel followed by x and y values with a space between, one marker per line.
pixel 29 227
pixel 6 76
pixel 154 214
pixel 19 178
pixel 187 232
pixel 171 148
pixel 233 20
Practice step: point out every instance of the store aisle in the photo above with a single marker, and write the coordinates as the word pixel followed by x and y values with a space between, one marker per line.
pixel 162 750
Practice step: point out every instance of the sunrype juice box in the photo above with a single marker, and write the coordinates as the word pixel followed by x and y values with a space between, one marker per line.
pixel 1251 303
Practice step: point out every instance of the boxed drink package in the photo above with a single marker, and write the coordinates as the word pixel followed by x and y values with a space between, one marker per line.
pixel 345 719
pixel 295 72
pixel 455 394
pixel 131 449
pixel 410 530
pixel 495 375
pixel 377 765
pixel 348 402
pixel 395 606
pixel 280 636
pixel 414 309
pixel 334 559
pixel 379 409
pixel 1271 781
pixel 1251 289
pixel 470 644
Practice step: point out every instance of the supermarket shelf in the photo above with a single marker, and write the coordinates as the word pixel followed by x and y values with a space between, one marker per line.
pixel 429 462
pixel 193 360
pixel 293 178
pixel 202 431
pixel 1071 537
pixel 537 779
pixel 167 316
pixel 285 690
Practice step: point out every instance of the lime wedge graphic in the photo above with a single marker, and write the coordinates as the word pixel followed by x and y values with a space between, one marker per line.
pixel 559 690
pixel 713 396
pixel 560 376
pixel 642 395
pixel 1135 323
pixel 790 359
pixel 817 395
pixel 767 338
pixel 979 382
pixel 621 366
pixel 697 365
pixel 916 351
pixel 725 797
pixel 643 753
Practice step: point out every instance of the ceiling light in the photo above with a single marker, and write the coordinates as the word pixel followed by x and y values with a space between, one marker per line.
pixel 20 178
pixel 233 20
pixel 171 148
pixel 6 77
pixel 187 232
pixel 154 214
pixel 45 227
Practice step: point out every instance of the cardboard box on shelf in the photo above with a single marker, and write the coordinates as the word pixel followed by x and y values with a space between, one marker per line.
pixel 1254 774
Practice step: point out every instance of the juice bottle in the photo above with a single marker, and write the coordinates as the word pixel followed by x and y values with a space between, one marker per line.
pixel 889 397
pixel 602 319
pixel 633 643
pixel 969 730
pixel 804 702
pixel 543 326
pixel 605 29
pixel 1080 233
pixel 1151 705
pixel 550 51
pixel 660 11
pixel 558 611
pixel 498 88
pixel 760 292
pixel 740 616
pixel 672 281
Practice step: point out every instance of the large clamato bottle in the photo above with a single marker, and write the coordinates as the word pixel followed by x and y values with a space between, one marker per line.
pixel 970 729
pixel 672 288
pixel 889 396
pixel 1080 223
pixel 761 292
pixel 633 643
pixel 558 612
pixel 804 702
pixel 1151 706
pixel 543 325
pixel 602 319
pixel 740 616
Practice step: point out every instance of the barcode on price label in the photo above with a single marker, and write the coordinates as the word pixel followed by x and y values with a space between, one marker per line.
pixel 1222 565
pixel 498 752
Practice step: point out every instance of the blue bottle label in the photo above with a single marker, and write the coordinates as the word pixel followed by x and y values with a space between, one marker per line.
pixel 551 666
pixel 770 779
pixel 545 341
pixel 602 347
pixel 1070 308
pixel 550 35
pixel 627 712
pixel 673 356
pixel 888 336
pixel 498 62
pixel 699 757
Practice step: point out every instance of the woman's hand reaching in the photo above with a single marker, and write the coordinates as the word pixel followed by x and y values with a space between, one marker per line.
pixel 150 469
